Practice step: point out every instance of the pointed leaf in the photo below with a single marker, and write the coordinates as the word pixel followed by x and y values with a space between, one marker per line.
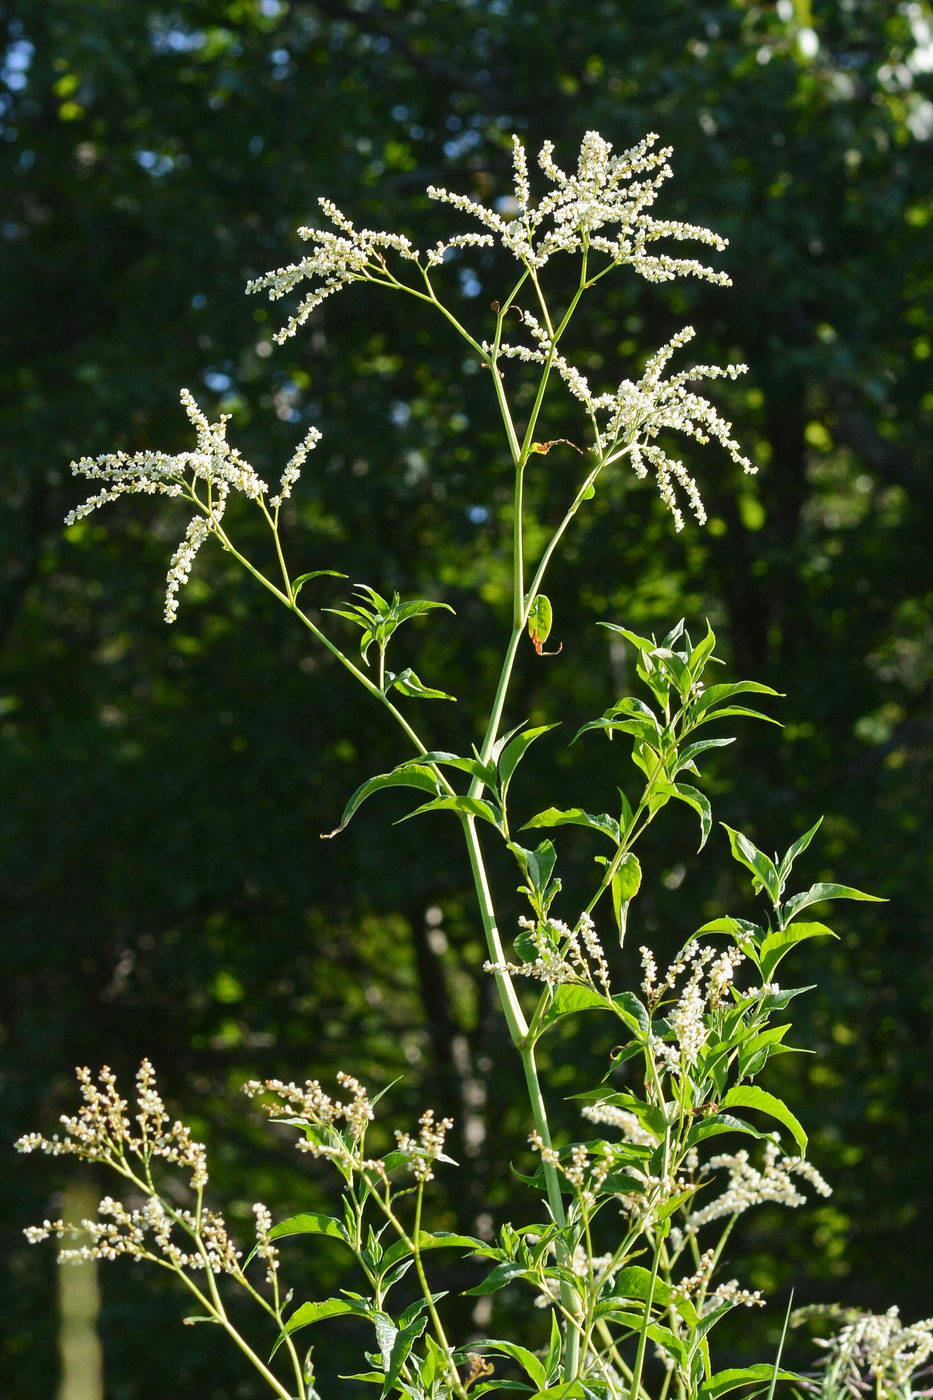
pixel 464 806
pixel 309 1223
pixel 299 583
pixel 724 1381
pixel 413 775
pixel 717 693
pixel 797 848
pixel 750 1096
pixel 816 893
pixel 410 685
pixel 695 799
pixel 756 861
pixel 781 941
pixel 575 816
pixel 515 752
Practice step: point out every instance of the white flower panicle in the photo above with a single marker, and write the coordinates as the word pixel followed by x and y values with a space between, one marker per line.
pixel 603 206
pixel 102 1130
pixel 349 255
pixel 562 954
pixel 628 1123
pixel 310 1104
pixel 689 1015
pixel 204 477
pixel 891 1352
pixel 747 1186
pixel 428 1147
pixel 586 1172
pixel 293 468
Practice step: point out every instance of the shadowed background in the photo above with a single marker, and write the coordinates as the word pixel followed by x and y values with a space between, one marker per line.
pixel 164 888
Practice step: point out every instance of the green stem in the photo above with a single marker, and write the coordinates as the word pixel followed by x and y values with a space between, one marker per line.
pixel 643 1334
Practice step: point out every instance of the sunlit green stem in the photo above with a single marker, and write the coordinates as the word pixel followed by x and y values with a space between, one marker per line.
pixel 518 1030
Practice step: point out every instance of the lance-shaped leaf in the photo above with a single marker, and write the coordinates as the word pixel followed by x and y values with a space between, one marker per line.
pixel 756 861
pixel 299 583
pixel 408 684
pixel 816 893
pixel 414 775
pixel 750 1096
pixel 695 799
pixel 724 1381
pixel 464 807
pixel 515 751
pixel 780 941
pixel 575 816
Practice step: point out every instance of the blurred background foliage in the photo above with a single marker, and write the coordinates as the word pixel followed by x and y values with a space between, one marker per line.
pixel 164 887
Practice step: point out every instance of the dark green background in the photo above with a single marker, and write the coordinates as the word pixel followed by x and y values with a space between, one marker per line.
pixel 165 891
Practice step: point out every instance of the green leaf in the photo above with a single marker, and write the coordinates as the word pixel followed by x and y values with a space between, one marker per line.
pixel 799 846
pixel 401 1346
pixel 702 653
pixel 730 711
pixel 498 1278
pixel 695 799
pixel 781 941
pixel 409 685
pixel 310 1223
pixel 414 775
pixel 750 1096
pixel 568 999
pixel 641 643
pixel 688 754
pixel 530 1363
pixel 633 1012
pixel 717 693
pixel 718 1123
pixel 515 751
pixel 417 607
pixel 724 1381
pixel 441 1239
pixel 309 1313
pixel 538 865
pixel 540 619
pixel 463 806
pixel 756 861
pixel 816 893
pixel 575 816
pixel 625 884
pixel 299 583
pixel 483 771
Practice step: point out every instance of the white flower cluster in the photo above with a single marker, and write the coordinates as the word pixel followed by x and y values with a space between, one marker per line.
pixel 214 465
pixel 698 1284
pixel 631 417
pixel 309 1104
pixel 602 206
pixel 422 1152
pixel 145 1232
pixel 689 1014
pixel 102 1131
pixel 628 1123
pixel 349 255
pixel 606 192
pixel 584 1171
pixel 882 1345
pixel 562 954
pixel 747 1186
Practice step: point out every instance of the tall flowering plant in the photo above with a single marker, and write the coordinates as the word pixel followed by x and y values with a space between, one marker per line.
pixel 628 1224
